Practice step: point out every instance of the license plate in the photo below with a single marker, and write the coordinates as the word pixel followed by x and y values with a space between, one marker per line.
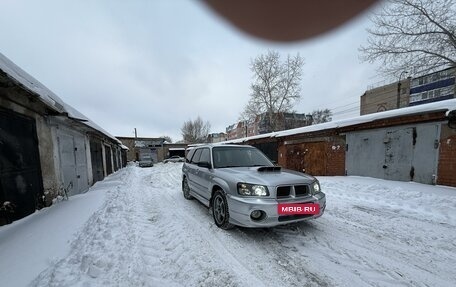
pixel 296 208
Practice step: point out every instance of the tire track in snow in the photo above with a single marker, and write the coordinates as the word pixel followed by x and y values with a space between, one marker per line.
pixel 284 256
pixel 183 243
pixel 271 262
pixel 357 245
pixel 147 234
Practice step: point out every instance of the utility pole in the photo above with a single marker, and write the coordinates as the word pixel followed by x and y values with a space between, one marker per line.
pixel 246 131
pixel 399 89
pixel 136 150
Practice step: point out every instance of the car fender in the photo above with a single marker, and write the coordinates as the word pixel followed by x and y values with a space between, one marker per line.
pixel 219 182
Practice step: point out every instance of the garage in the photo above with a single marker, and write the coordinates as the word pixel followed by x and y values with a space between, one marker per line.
pixel 21 186
pixel 96 155
pixel 407 153
pixel 73 161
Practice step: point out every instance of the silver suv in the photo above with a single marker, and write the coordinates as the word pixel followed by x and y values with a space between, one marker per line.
pixel 243 187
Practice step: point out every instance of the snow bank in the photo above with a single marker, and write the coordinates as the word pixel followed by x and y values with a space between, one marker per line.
pixel 32 244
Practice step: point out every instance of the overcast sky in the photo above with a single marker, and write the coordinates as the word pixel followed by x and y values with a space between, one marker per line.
pixel 152 65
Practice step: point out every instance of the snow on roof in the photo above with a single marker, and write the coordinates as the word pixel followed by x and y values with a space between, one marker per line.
pixel 101 130
pixel 124 147
pixel 447 105
pixel 31 84
pixel 46 95
pixel 176 148
pixel 76 115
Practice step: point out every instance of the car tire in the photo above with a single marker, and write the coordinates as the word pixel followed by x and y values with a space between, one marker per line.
pixel 220 211
pixel 186 189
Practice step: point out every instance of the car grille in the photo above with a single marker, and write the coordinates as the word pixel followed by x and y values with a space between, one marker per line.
pixel 292 191
pixel 283 191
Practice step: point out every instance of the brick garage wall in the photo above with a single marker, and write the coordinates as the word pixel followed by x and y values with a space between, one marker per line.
pixel 315 155
pixel 282 156
pixel 447 157
pixel 335 163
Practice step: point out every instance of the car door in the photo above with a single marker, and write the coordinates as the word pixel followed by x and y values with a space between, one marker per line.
pixel 204 174
pixel 192 170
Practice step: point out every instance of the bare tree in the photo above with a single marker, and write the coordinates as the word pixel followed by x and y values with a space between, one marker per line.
pixel 321 116
pixel 195 131
pixel 168 139
pixel 412 35
pixel 276 86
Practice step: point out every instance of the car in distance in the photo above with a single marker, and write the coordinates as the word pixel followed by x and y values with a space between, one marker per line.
pixel 174 158
pixel 243 187
pixel 145 160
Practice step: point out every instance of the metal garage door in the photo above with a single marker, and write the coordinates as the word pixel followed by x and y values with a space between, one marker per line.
pixel 401 153
pixel 96 156
pixel 398 154
pixel 21 186
pixel 73 161
pixel 108 160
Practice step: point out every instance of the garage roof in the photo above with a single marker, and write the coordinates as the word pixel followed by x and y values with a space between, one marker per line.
pixel 444 106
pixel 45 95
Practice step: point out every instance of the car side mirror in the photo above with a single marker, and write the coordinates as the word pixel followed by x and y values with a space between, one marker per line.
pixel 205 164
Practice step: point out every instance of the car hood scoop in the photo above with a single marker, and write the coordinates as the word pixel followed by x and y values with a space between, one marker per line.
pixel 269 168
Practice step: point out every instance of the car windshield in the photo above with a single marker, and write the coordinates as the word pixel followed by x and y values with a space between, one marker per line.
pixel 238 156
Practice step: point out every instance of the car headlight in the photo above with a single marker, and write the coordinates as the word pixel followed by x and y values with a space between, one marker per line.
pixel 316 187
pixel 252 189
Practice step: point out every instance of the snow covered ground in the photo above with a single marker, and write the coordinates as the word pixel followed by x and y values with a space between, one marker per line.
pixel 136 229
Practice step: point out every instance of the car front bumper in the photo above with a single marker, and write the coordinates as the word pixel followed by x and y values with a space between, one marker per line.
pixel 241 207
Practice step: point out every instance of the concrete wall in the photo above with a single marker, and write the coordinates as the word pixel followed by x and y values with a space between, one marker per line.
pixel 16 100
pixel 385 98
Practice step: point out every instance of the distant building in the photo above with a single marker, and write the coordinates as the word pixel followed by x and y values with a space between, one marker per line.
pixel 231 132
pixel 260 125
pixel 242 129
pixel 424 89
pixel 141 145
pixel 384 98
pixel 156 147
pixel 433 87
pixel 216 137
pixel 286 121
